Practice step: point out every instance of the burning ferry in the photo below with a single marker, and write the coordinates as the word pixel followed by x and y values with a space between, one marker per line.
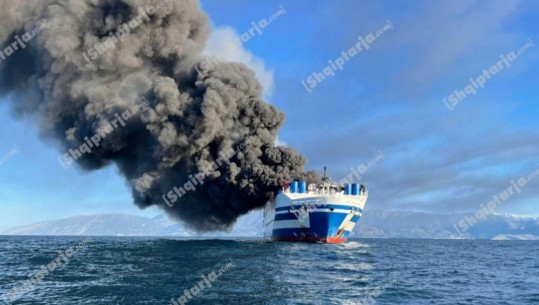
pixel 326 212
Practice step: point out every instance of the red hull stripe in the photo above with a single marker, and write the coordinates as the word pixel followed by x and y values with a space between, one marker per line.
pixel 329 240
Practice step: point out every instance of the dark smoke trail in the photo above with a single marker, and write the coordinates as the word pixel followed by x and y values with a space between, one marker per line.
pixel 192 117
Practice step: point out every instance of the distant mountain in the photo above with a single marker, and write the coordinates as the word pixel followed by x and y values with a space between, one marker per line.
pixel 375 224
pixel 397 224
pixel 106 224
pixel 129 225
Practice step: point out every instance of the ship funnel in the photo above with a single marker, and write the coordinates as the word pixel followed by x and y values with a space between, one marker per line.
pixel 294 187
pixel 355 189
pixel 347 189
pixel 302 187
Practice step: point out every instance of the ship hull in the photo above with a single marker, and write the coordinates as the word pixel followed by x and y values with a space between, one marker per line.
pixel 322 219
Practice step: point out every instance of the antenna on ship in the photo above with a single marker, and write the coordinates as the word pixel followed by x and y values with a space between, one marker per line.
pixel 325 178
pixel 325 181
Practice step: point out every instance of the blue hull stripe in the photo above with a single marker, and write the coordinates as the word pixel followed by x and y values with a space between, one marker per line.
pixel 287 216
pixel 291 216
pixel 319 206
pixel 322 225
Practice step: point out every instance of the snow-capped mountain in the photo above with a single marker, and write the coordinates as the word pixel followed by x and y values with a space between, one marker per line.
pixel 374 224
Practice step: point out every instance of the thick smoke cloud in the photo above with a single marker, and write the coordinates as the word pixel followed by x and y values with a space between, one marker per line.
pixel 192 116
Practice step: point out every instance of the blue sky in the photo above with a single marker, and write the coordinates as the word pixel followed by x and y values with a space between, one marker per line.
pixel 386 99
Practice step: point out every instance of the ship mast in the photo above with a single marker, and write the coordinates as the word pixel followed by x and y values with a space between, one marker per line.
pixel 325 181
pixel 325 178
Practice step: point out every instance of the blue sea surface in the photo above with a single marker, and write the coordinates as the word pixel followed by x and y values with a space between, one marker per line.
pixel 122 270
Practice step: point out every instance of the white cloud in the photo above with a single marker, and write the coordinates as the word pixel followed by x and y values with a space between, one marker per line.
pixel 224 43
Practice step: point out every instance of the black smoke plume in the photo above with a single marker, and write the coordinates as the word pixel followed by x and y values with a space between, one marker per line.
pixel 94 60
